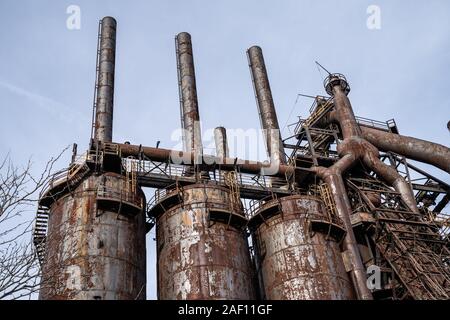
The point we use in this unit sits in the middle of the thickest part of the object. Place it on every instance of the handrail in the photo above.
(176, 171)
(372, 123)
(113, 193)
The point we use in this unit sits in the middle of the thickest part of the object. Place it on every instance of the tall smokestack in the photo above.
(220, 138)
(188, 94)
(105, 80)
(265, 104)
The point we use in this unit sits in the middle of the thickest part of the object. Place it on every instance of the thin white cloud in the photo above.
(50, 106)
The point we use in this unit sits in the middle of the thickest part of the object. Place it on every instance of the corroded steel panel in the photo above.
(199, 258)
(295, 262)
(93, 253)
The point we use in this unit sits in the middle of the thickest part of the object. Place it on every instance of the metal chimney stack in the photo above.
(266, 107)
(190, 118)
(105, 80)
(220, 139)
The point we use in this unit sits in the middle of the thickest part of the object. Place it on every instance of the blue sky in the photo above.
(47, 71)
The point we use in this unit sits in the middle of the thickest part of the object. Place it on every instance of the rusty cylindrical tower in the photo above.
(95, 246)
(201, 245)
(202, 248)
(95, 241)
(297, 251)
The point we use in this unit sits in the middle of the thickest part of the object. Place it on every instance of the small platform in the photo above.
(118, 205)
(227, 217)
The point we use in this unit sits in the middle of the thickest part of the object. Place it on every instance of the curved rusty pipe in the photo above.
(354, 147)
(354, 141)
(425, 151)
(392, 177)
(333, 177)
(349, 151)
(413, 148)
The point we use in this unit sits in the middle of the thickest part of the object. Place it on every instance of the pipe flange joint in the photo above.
(336, 79)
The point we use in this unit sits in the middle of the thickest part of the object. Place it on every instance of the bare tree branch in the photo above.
(20, 274)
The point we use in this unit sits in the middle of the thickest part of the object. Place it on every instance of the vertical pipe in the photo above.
(333, 177)
(105, 81)
(266, 107)
(350, 246)
(188, 91)
(344, 110)
(220, 138)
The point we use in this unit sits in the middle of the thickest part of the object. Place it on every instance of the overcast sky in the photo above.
(47, 70)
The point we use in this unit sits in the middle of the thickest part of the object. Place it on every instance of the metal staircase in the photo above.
(61, 181)
(411, 244)
(40, 232)
(318, 113)
(417, 253)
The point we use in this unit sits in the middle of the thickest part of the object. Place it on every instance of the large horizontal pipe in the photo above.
(413, 148)
(266, 107)
(105, 80)
(227, 164)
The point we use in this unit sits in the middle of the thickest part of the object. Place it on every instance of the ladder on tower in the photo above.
(230, 179)
(97, 71)
(328, 200)
(40, 232)
(131, 177)
(180, 92)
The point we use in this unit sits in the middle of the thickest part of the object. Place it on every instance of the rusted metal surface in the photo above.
(199, 258)
(355, 147)
(188, 91)
(296, 263)
(105, 90)
(220, 139)
(266, 107)
(357, 271)
(93, 253)
(413, 148)
(95, 246)
(343, 108)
